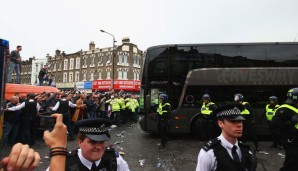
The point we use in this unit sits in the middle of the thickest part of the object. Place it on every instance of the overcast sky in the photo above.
(42, 26)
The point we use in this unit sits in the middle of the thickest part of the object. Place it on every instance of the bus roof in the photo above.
(243, 76)
(223, 44)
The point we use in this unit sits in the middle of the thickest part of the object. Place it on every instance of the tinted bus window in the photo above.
(282, 55)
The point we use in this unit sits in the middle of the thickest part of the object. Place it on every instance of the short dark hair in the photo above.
(81, 136)
(19, 46)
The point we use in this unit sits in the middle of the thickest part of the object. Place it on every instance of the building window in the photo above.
(77, 76)
(100, 58)
(59, 66)
(65, 64)
(65, 77)
(125, 59)
(85, 61)
(124, 75)
(92, 61)
(78, 63)
(108, 74)
(84, 75)
(120, 74)
(109, 59)
(120, 59)
(99, 75)
(70, 77)
(92, 76)
(71, 64)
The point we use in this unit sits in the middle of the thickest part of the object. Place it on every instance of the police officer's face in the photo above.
(231, 128)
(92, 150)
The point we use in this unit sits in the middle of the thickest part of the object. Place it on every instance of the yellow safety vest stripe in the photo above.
(205, 108)
(291, 108)
(159, 109)
(245, 111)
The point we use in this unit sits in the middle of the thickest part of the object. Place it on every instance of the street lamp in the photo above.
(113, 65)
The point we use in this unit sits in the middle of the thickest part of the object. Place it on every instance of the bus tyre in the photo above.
(197, 129)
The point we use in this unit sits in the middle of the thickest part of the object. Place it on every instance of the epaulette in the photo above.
(72, 153)
(211, 143)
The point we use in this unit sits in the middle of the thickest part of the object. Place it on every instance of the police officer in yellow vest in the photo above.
(248, 132)
(208, 121)
(286, 120)
(115, 106)
(270, 112)
(163, 116)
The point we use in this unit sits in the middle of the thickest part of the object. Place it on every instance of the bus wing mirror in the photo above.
(148, 102)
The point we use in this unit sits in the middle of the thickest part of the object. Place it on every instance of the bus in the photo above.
(172, 69)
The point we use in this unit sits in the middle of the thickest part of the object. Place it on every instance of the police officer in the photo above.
(207, 118)
(270, 112)
(163, 115)
(226, 152)
(92, 154)
(286, 120)
(249, 120)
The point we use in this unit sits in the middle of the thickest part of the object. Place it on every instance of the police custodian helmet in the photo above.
(229, 111)
(95, 129)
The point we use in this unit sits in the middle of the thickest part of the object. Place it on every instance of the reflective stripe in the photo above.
(270, 112)
(205, 108)
(159, 109)
(245, 111)
(291, 108)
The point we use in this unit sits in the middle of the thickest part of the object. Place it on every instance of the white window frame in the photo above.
(64, 77)
(77, 76)
(70, 77)
(71, 64)
(65, 64)
(78, 63)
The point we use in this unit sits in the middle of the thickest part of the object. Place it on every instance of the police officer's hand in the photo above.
(21, 157)
(57, 137)
(294, 119)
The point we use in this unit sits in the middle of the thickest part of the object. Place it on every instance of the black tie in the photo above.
(235, 154)
(93, 168)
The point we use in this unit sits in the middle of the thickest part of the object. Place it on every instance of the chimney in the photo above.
(91, 45)
(58, 52)
(125, 40)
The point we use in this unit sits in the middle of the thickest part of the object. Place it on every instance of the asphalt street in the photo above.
(140, 151)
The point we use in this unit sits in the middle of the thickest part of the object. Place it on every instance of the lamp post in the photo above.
(113, 60)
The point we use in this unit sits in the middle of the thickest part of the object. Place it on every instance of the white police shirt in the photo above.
(121, 163)
(207, 160)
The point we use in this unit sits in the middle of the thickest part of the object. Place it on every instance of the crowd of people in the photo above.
(23, 112)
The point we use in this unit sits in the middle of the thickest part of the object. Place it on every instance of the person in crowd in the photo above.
(163, 116)
(12, 121)
(102, 107)
(269, 113)
(30, 109)
(225, 152)
(15, 65)
(207, 118)
(44, 76)
(79, 113)
(62, 107)
(115, 107)
(286, 120)
(248, 132)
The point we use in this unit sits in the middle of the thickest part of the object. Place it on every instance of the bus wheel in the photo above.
(197, 129)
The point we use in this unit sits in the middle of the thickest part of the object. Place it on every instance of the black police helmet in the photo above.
(273, 98)
(292, 95)
(206, 97)
(164, 97)
(238, 97)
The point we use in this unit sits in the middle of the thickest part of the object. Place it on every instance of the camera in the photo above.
(46, 122)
